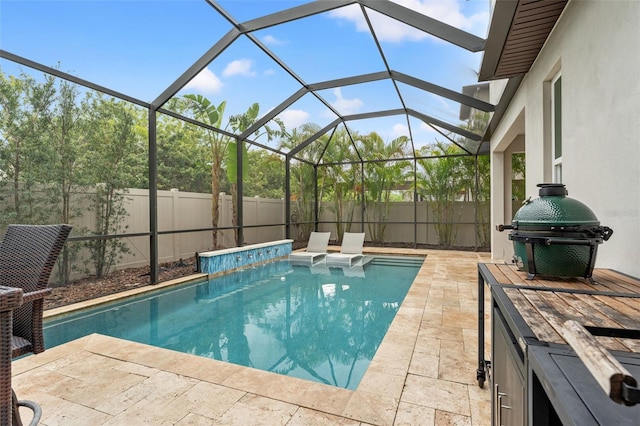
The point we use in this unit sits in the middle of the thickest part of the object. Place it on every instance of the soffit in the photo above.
(517, 33)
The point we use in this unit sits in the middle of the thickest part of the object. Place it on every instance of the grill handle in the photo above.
(571, 242)
(605, 231)
(501, 228)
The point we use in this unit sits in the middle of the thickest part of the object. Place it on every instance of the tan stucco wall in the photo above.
(596, 47)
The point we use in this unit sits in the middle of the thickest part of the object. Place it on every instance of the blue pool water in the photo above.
(321, 324)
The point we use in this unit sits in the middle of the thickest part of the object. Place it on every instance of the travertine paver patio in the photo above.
(424, 372)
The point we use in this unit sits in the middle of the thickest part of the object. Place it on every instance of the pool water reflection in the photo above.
(315, 323)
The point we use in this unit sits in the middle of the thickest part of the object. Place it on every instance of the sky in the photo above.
(140, 47)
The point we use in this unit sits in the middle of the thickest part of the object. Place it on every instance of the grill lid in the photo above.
(554, 210)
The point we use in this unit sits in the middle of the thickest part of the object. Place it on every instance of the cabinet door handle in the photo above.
(498, 404)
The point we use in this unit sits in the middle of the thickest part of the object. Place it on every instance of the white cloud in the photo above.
(345, 106)
(387, 29)
(398, 130)
(425, 135)
(424, 126)
(271, 40)
(239, 67)
(294, 118)
(205, 82)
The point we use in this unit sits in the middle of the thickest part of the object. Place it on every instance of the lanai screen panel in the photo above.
(303, 199)
(465, 144)
(432, 105)
(341, 147)
(427, 57)
(340, 189)
(183, 157)
(244, 10)
(302, 119)
(316, 47)
(264, 193)
(470, 16)
(265, 174)
(134, 47)
(363, 98)
(241, 76)
(381, 136)
(431, 136)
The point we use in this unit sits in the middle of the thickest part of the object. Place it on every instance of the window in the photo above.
(556, 127)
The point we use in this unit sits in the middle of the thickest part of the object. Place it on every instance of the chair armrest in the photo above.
(10, 298)
(35, 295)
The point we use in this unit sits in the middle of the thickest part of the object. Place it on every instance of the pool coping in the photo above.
(374, 401)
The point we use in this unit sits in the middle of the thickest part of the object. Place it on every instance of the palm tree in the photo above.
(211, 115)
(302, 176)
(442, 182)
(341, 180)
(240, 123)
(383, 176)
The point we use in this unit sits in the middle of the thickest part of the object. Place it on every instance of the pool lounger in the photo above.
(316, 249)
(322, 268)
(350, 250)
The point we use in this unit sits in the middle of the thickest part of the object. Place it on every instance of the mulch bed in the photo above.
(91, 287)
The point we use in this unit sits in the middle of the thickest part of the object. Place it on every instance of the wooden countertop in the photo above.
(546, 303)
(607, 280)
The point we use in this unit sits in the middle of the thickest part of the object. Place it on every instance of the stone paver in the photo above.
(423, 372)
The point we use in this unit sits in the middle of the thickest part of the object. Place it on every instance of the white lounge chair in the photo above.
(316, 248)
(350, 250)
(319, 268)
(353, 271)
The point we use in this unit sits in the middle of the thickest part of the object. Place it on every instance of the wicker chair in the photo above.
(27, 256)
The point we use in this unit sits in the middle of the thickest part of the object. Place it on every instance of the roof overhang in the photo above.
(517, 32)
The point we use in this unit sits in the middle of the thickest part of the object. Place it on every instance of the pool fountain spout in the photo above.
(238, 257)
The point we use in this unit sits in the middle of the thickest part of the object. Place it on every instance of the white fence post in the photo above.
(175, 204)
(259, 218)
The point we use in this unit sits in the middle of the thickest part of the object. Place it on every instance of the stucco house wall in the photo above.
(596, 48)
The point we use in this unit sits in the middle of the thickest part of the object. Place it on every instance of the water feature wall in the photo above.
(212, 262)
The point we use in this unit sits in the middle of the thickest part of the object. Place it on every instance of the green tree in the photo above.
(481, 195)
(477, 123)
(517, 174)
(340, 183)
(240, 123)
(204, 111)
(66, 140)
(267, 175)
(115, 157)
(442, 182)
(25, 117)
(382, 177)
(183, 162)
(302, 179)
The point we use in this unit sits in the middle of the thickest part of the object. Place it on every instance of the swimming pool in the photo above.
(317, 323)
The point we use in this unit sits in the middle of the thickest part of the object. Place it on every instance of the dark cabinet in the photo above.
(508, 384)
(536, 378)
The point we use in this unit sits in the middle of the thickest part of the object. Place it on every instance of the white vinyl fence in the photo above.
(182, 211)
(179, 210)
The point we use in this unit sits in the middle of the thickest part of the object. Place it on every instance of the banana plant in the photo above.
(211, 115)
(240, 123)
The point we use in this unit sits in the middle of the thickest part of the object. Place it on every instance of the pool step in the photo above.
(398, 260)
